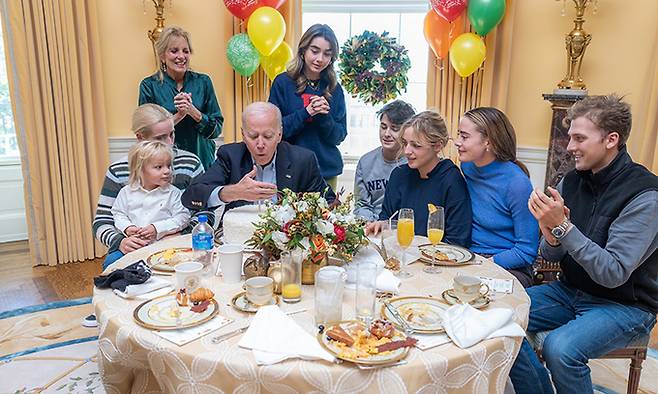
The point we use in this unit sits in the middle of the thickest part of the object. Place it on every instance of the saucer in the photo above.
(241, 303)
(481, 302)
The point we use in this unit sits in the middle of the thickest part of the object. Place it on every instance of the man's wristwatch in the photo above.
(561, 229)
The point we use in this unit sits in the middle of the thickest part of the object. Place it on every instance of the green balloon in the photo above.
(484, 15)
(242, 55)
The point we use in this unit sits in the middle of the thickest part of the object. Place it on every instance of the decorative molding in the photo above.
(119, 147)
(365, 6)
(13, 224)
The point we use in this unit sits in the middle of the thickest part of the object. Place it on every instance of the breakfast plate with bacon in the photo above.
(165, 260)
(351, 341)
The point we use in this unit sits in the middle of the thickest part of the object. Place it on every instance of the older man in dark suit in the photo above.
(256, 168)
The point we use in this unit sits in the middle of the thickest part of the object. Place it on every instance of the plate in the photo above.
(241, 303)
(478, 303)
(456, 254)
(159, 314)
(422, 314)
(165, 260)
(343, 352)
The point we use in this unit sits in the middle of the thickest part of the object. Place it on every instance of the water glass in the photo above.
(329, 287)
(366, 290)
(291, 275)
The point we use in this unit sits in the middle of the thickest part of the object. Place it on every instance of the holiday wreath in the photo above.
(374, 67)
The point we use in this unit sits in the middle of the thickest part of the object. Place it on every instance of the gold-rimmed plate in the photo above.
(479, 303)
(166, 260)
(423, 314)
(359, 354)
(241, 303)
(163, 313)
(446, 255)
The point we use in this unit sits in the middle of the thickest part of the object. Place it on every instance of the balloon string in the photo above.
(246, 88)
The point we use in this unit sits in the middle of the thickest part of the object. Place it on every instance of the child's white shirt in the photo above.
(161, 207)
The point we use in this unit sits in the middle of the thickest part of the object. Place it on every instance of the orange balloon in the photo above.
(439, 33)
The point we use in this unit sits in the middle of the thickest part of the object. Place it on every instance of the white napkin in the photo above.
(387, 282)
(274, 336)
(467, 326)
(428, 341)
(152, 284)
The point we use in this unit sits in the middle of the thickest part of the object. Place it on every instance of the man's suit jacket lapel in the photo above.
(246, 163)
(284, 173)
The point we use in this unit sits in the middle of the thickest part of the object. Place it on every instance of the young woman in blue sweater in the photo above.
(499, 187)
(311, 100)
(428, 178)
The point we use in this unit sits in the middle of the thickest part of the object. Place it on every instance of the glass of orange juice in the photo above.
(291, 275)
(435, 228)
(405, 232)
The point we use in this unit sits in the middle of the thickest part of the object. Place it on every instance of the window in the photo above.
(402, 20)
(8, 143)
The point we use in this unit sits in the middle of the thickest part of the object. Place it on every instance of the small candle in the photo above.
(291, 291)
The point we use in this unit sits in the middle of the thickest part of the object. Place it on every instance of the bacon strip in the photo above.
(387, 347)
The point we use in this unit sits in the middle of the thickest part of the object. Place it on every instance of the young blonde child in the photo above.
(149, 206)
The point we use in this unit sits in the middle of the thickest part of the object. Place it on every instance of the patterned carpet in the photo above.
(44, 349)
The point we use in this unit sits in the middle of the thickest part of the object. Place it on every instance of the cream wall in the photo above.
(127, 55)
(617, 59)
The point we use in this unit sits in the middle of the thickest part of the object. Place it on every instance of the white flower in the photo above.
(302, 206)
(322, 203)
(284, 215)
(280, 239)
(324, 227)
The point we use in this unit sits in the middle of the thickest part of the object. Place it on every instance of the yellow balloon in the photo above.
(467, 53)
(275, 64)
(266, 29)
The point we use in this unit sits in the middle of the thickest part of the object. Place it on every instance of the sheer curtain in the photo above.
(56, 86)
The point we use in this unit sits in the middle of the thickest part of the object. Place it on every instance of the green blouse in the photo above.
(190, 136)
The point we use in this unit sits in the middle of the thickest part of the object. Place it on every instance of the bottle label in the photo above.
(202, 241)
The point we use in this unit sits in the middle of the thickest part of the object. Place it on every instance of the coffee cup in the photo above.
(260, 290)
(469, 288)
(230, 261)
(188, 276)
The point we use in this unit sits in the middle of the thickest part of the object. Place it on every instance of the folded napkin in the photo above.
(467, 326)
(428, 341)
(133, 274)
(274, 336)
(387, 282)
(152, 284)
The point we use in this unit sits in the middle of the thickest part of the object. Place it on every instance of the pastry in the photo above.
(382, 329)
(181, 297)
(201, 294)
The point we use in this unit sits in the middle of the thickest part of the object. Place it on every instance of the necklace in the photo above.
(313, 84)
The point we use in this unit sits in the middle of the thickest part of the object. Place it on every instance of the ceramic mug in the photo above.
(188, 276)
(260, 290)
(469, 288)
(230, 261)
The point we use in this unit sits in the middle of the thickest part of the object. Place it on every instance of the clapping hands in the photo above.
(184, 106)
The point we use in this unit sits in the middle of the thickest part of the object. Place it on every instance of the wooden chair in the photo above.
(544, 272)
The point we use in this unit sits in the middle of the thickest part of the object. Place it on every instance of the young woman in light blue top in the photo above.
(499, 187)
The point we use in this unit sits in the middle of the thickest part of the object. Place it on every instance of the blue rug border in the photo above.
(44, 307)
(9, 357)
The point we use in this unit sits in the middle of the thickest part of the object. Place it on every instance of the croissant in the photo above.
(201, 294)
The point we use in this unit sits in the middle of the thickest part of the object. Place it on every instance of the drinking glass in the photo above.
(435, 228)
(405, 233)
(329, 286)
(366, 290)
(291, 275)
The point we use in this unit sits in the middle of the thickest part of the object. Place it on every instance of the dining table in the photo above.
(133, 359)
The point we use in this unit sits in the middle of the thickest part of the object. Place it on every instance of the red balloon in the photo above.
(449, 9)
(272, 3)
(242, 8)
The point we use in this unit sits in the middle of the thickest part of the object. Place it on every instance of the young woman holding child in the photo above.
(149, 206)
(499, 188)
(428, 178)
(311, 100)
(374, 168)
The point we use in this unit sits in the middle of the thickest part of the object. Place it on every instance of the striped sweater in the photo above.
(186, 167)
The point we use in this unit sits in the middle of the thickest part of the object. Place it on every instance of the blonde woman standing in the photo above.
(189, 95)
(311, 100)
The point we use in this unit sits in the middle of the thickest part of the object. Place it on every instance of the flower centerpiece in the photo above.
(306, 221)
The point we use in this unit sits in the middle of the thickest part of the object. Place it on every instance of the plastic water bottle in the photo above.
(203, 242)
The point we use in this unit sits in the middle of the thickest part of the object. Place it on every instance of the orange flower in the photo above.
(318, 242)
